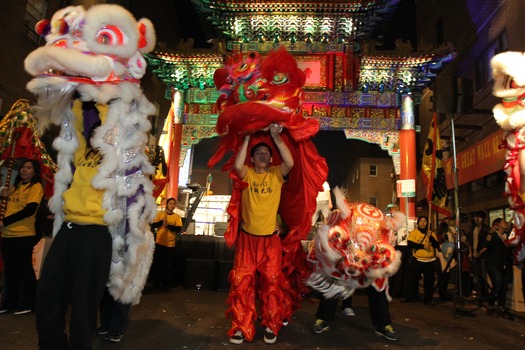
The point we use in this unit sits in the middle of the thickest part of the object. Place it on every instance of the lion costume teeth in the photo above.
(97, 54)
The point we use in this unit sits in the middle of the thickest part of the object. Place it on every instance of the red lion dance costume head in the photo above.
(257, 91)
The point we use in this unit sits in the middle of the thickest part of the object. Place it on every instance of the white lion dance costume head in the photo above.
(508, 70)
(96, 55)
(353, 249)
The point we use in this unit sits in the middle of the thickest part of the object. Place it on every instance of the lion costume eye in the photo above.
(280, 78)
(110, 35)
(242, 68)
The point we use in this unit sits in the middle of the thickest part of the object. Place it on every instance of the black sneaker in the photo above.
(101, 331)
(237, 338)
(3, 310)
(114, 337)
(320, 326)
(269, 336)
(387, 333)
(492, 312)
(507, 315)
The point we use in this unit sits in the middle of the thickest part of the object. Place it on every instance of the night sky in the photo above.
(402, 26)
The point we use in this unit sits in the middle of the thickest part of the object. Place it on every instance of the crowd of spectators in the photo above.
(482, 270)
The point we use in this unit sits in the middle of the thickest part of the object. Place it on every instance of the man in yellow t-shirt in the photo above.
(168, 224)
(258, 252)
(80, 256)
(424, 244)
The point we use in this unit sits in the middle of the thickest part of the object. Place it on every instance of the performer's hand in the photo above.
(275, 129)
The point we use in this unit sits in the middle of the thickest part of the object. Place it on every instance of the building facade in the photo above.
(477, 30)
(371, 180)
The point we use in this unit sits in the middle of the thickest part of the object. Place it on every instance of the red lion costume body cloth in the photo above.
(256, 92)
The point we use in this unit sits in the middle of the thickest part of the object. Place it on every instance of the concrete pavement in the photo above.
(194, 319)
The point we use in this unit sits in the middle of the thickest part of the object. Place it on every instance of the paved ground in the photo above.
(191, 319)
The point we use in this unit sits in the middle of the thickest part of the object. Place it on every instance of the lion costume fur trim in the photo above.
(122, 137)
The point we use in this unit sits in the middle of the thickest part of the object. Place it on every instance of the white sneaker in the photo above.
(238, 338)
(348, 311)
(269, 336)
(21, 312)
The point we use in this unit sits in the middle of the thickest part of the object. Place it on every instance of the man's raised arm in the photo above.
(286, 155)
(239, 166)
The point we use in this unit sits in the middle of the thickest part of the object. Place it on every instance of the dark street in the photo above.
(193, 319)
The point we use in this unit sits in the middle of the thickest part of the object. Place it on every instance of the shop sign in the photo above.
(484, 158)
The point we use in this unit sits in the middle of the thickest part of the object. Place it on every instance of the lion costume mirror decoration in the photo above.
(95, 55)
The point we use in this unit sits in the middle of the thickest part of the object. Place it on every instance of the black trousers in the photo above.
(75, 273)
(428, 269)
(501, 277)
(114, 315)
(479, 270)
(379, 308)
(20, 280)
(162, 266)
(377, 305)
(327, 307)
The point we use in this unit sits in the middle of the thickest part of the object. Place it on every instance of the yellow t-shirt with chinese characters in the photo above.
(82, 202)
(428, 252)
(260, 201)
(24, 194)
(165, 236)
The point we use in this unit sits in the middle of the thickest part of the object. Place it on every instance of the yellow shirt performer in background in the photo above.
(168, 224)
(258, 252)
(424, 244)
(18, 238)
